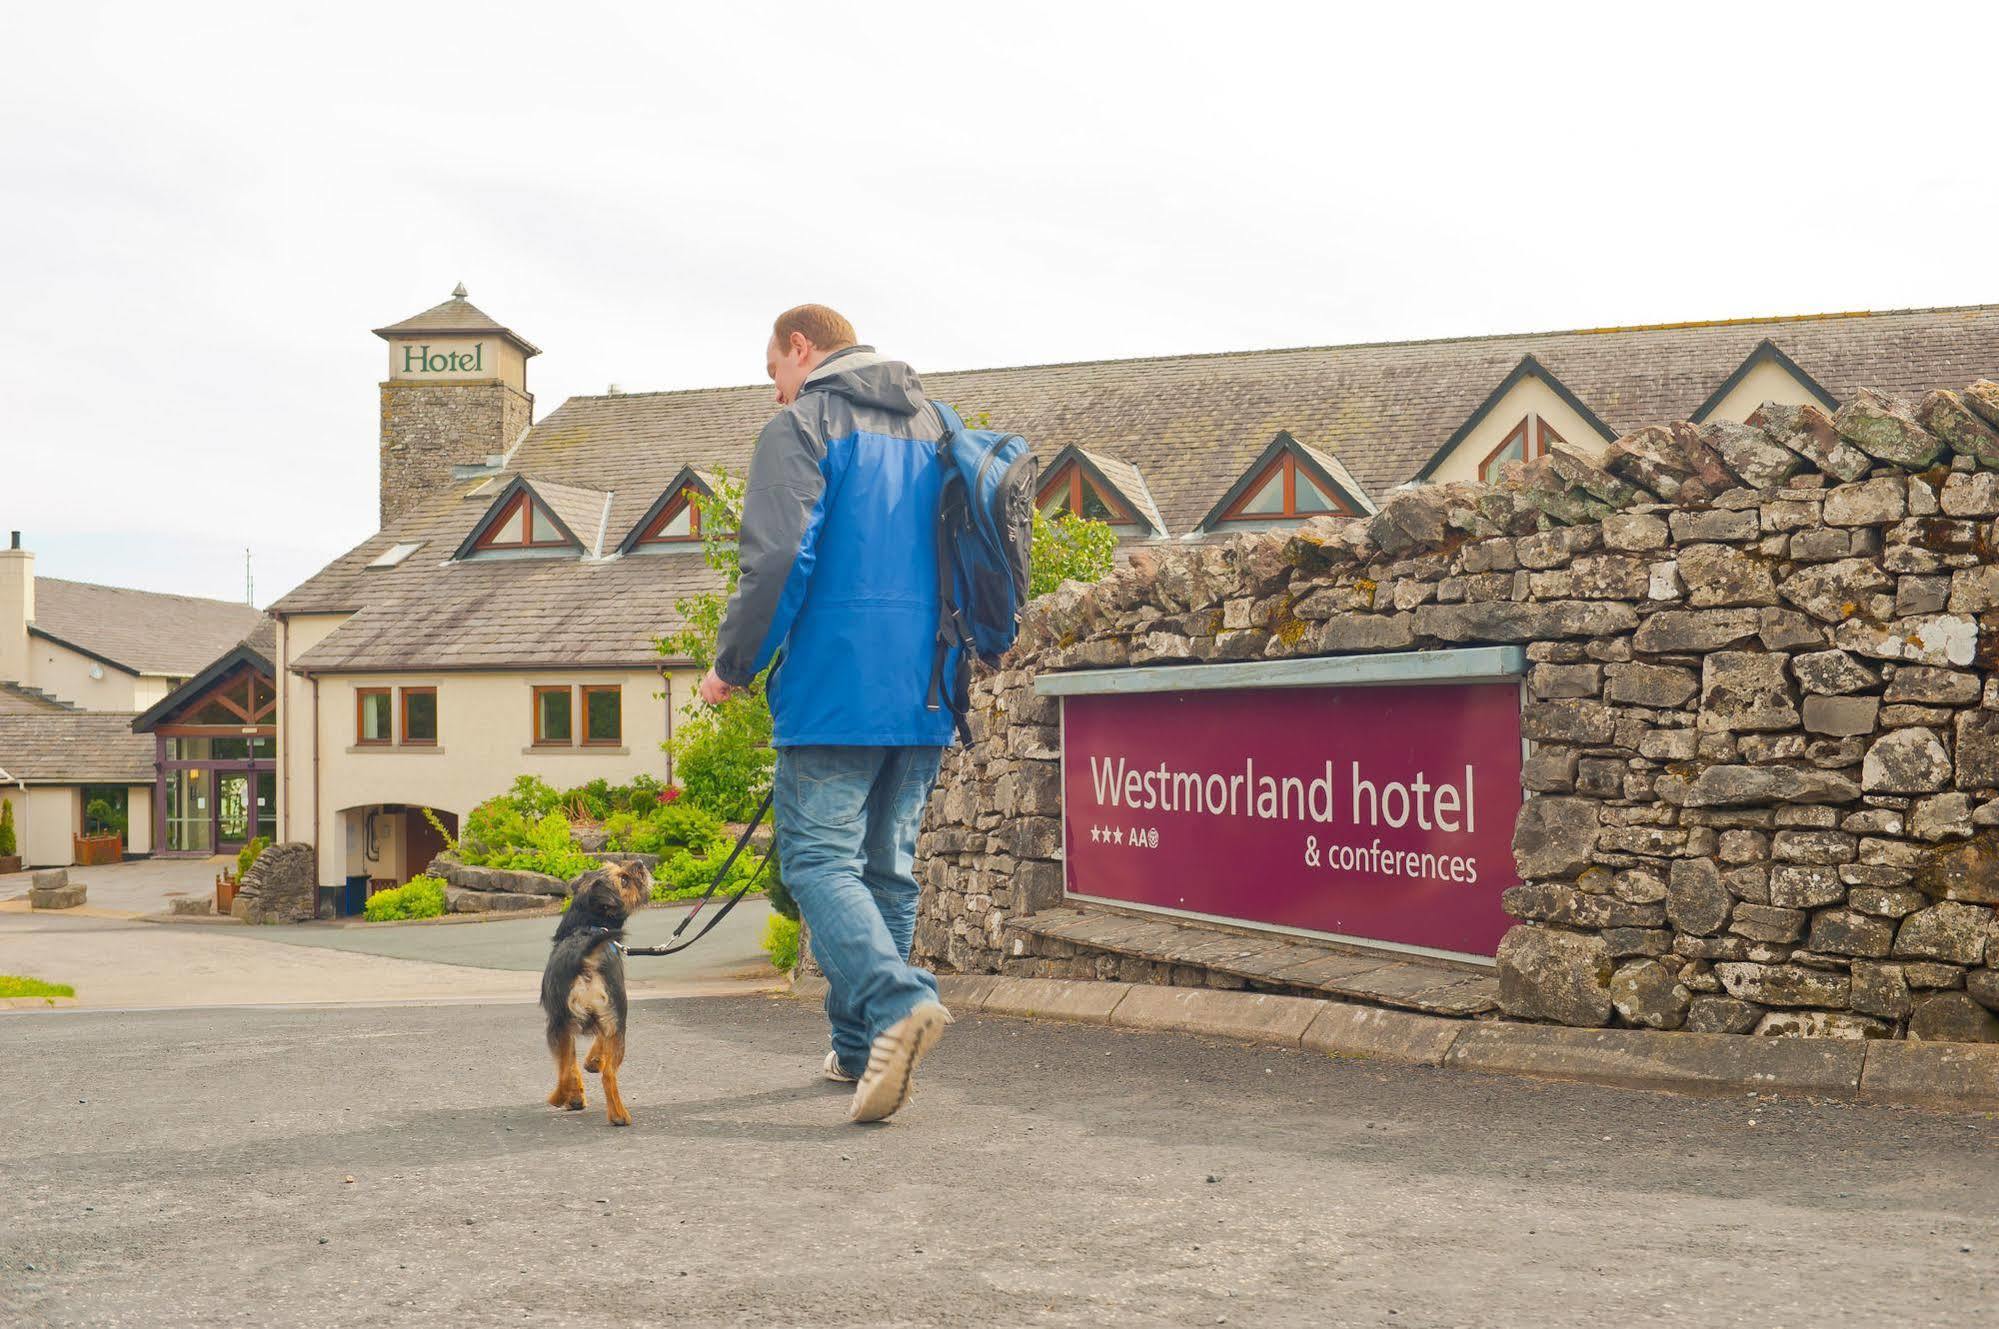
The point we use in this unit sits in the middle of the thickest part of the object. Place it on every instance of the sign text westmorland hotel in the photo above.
(1382, 812)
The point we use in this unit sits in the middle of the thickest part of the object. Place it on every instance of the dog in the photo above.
(583, 986)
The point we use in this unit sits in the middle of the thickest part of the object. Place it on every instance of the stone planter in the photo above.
(53, 889)
(11, 863)
(91, 850)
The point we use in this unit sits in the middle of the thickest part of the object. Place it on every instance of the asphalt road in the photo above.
(193, 1167)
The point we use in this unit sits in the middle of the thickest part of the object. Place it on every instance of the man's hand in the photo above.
(714, 691)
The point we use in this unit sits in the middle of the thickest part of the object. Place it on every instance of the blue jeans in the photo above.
(846, 839)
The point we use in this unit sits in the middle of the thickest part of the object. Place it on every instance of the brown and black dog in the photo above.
(583, 986)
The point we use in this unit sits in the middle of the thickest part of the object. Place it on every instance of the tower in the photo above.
(456, 395)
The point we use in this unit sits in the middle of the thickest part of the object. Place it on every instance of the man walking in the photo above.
(839, 584)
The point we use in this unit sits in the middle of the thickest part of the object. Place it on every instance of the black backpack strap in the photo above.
(952, 632)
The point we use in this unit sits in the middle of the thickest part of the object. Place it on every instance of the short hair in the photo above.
(825, 328)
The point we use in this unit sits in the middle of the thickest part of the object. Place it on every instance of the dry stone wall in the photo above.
(1765, 762)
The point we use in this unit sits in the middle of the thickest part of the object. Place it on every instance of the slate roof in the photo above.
(19, 699)
(1191, 425)
(145, 632)
(75, 747)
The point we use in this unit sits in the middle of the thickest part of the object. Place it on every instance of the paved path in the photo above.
(183, 1168)
(140, 886)
(126, 963)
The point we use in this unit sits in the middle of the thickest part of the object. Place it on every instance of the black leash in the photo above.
(742, 843)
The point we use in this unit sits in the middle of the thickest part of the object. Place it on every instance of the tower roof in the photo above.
(457, 315)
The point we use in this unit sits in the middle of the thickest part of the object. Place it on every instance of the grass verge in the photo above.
(14, 985)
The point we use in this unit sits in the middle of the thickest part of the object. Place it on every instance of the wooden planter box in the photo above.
(90, 850)
(225, 892)
(11, 863)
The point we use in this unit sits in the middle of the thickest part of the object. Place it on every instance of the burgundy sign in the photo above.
(1382, 813)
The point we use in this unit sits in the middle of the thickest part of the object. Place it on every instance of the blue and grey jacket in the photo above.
(839, 560)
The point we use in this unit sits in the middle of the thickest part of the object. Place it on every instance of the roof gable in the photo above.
(578, 515)
(1767, 352)
(1326, 471)
(689, 478)
(1115, 479)
(1529, 367)
(245, 657)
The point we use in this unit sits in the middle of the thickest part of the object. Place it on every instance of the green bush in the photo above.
(600, 800)
(420, 897)
(684, 874)
(722, 755)
(1070, 548)
(249, 854)
(669, 827)
(533, 797)
(781, 942)
(6, 829)
(547, 847)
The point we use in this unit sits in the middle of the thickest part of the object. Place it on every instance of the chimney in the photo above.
(17, 609)
(456, 393)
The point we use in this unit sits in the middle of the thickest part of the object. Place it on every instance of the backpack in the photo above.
(985, 525)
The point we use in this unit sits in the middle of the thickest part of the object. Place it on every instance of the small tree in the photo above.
(6, 829)
(1069, 548)
(721, 754)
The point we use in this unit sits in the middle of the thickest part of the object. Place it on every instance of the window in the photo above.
(679, 522)
(371, 717)
(551, 717)
(394, 554)
(1285, 489)
(1529, 439)
(522, 524)
(603, 721)
(1070, 491)
(420, 716)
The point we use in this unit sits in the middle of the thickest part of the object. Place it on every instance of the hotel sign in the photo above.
(427, 359)
(1370, 798)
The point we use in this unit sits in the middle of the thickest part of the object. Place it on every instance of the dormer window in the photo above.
(674, 521)
(1531, 438)
(1283, 490)
(539, 518)
(1070, 491)
(1096, 486)
(679, 522)
(522, 524)
(1289, 482)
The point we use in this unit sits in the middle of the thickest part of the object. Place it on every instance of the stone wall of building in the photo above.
(1765, 764)
(427, 428)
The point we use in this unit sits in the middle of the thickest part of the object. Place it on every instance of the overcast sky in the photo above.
(207, 207)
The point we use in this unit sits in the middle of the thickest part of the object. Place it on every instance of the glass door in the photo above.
(232, 810)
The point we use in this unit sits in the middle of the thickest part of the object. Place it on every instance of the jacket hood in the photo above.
(868, 379)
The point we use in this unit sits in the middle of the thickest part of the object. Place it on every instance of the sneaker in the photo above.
(885, 1085)
(833, 1071)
